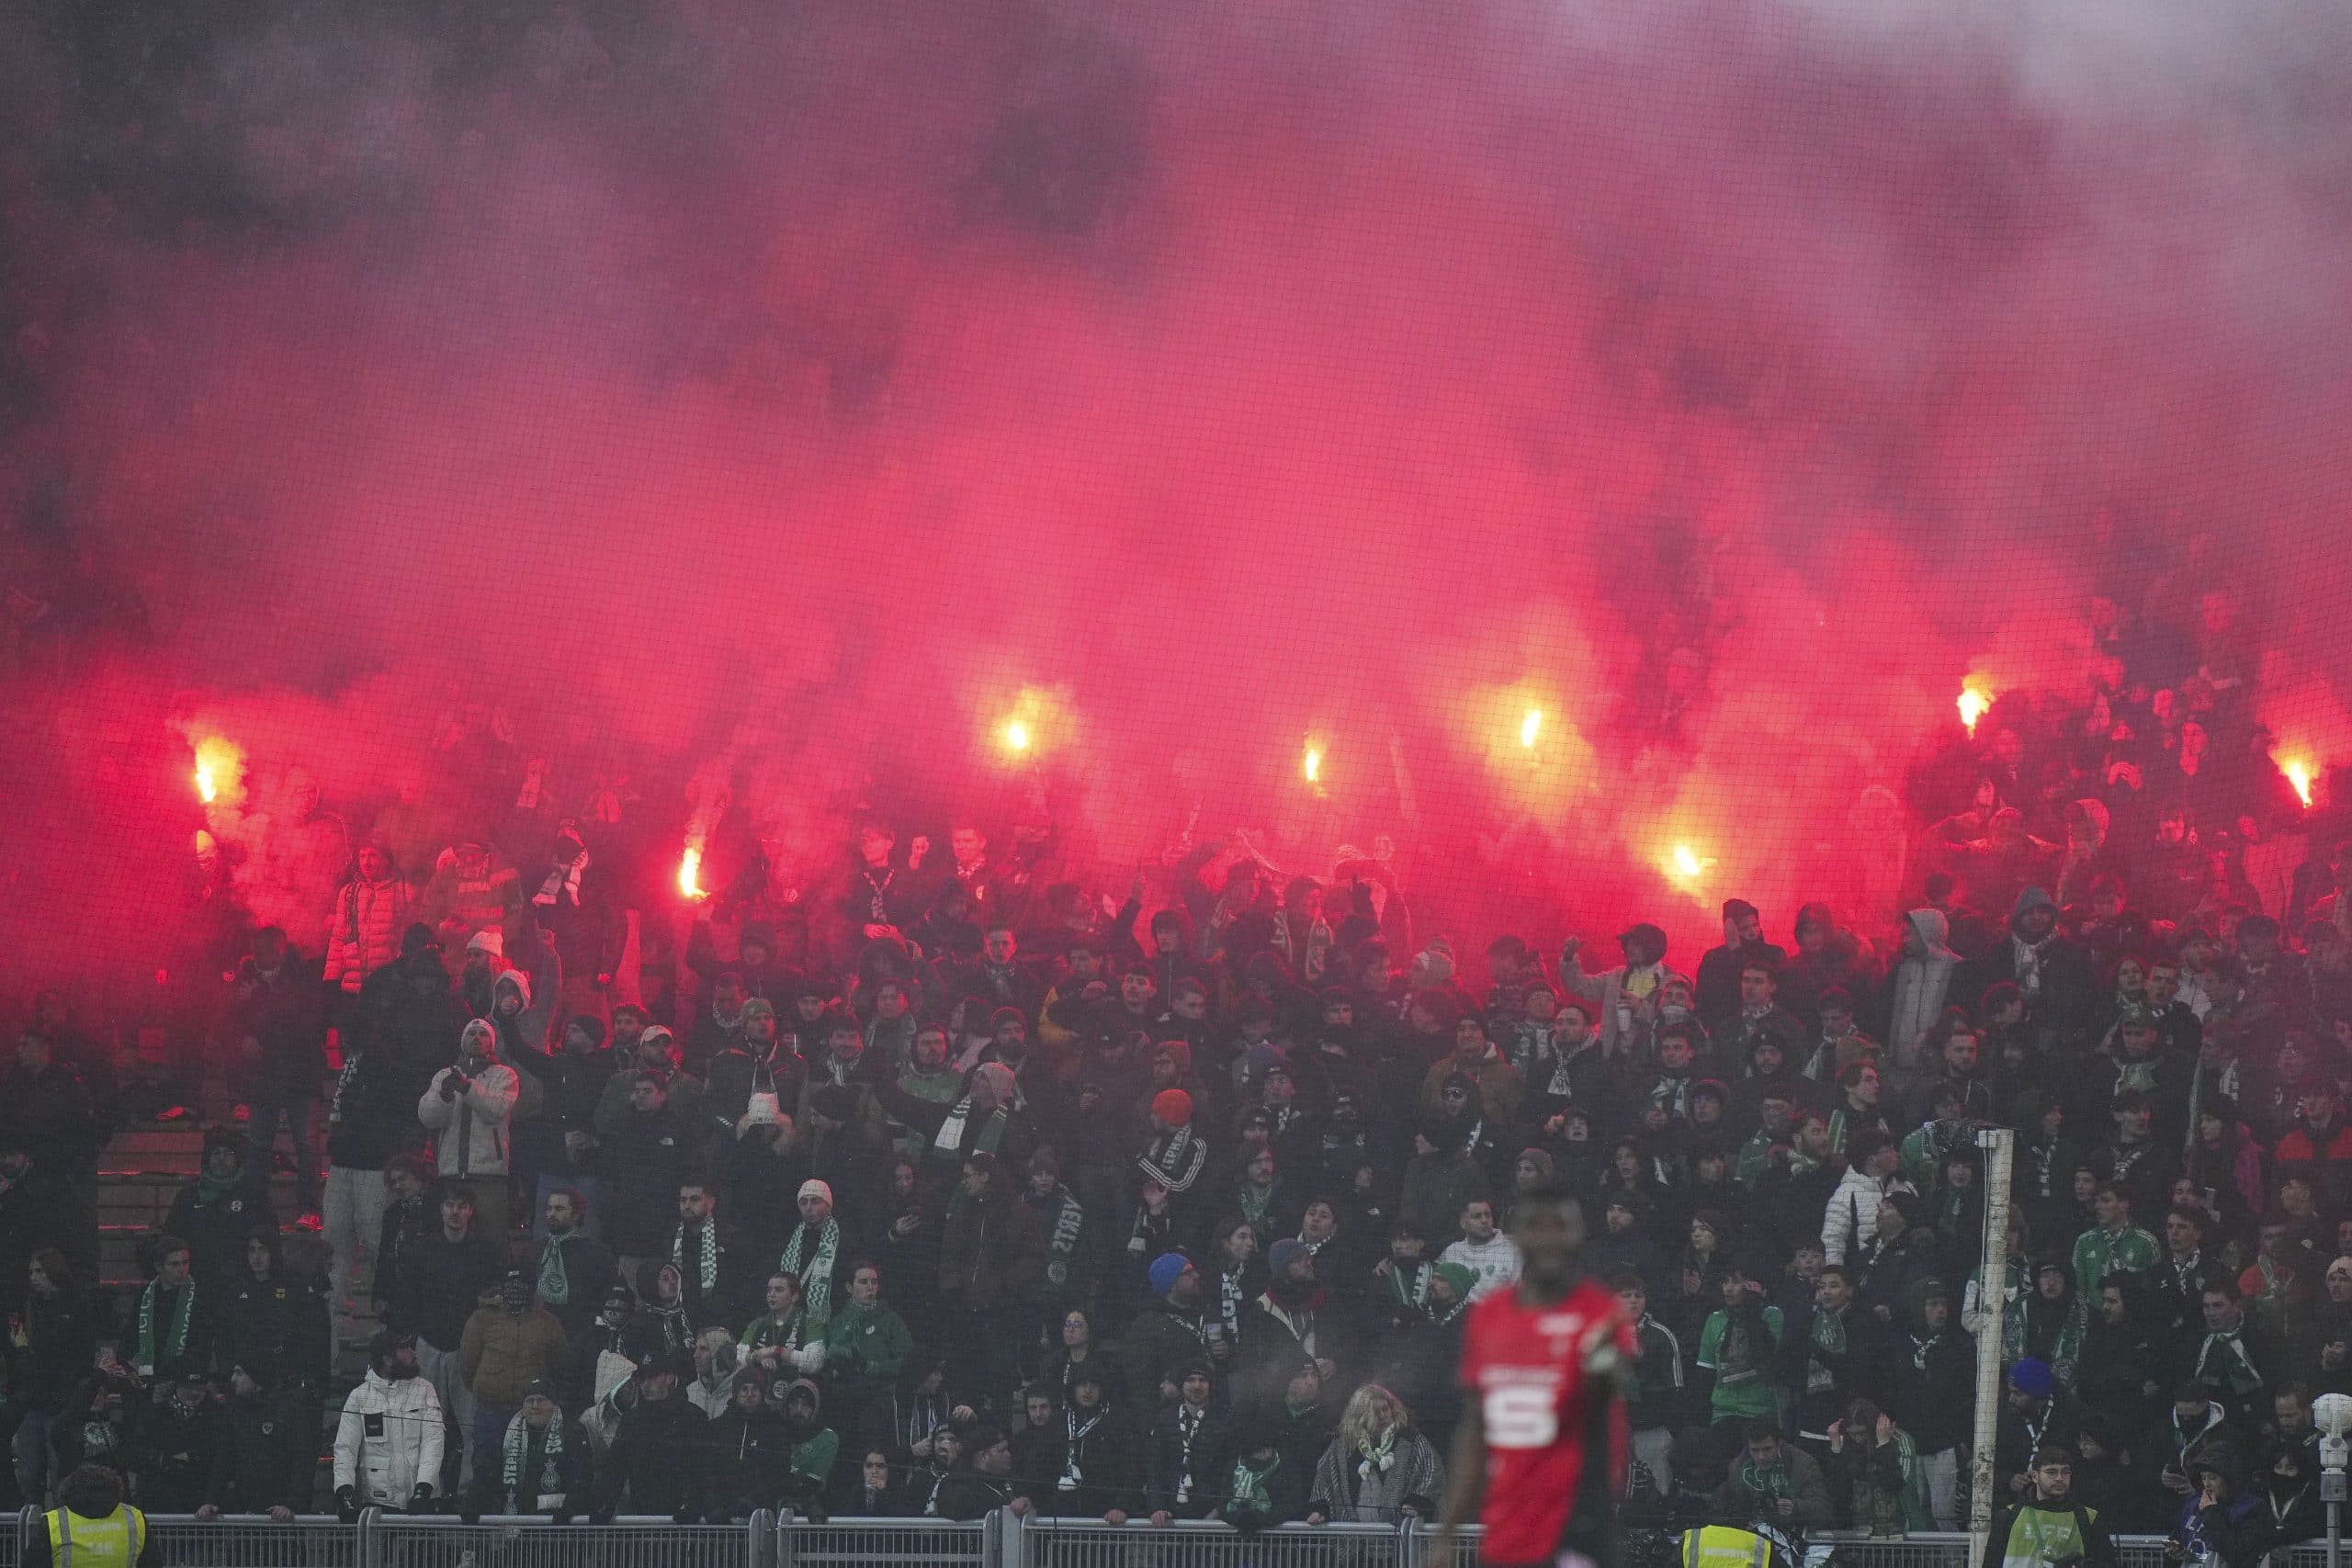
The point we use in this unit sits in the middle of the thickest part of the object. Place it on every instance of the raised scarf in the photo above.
(548, 1493)
(1256, 1201)
(562, 880)
(949, 1144)
(1177, 1163)
(176, 1344)
(811, 1263)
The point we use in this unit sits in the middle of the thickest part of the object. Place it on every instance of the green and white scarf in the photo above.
(549, 1494)
(1379, 1456)
(949, 1144)
(1250, 1492)
(707, 1266)
(813, 1265)
(1829, 1338)
(2223, 1360)
(1409, 1284)
(1766, 1481)
(1256, 1203)
(176, 1345)
(555, 1274)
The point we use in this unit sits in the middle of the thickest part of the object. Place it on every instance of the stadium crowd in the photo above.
(968, 1186)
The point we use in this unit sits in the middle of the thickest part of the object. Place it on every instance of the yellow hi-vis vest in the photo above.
(1717, 1546)
(111, 1542)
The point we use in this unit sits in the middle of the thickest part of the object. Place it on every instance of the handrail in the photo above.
(1008, 1538)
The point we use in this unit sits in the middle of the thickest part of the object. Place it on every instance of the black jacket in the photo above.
(215, 1232)
(1108, 1461)
(279, 1322)
(286, 1015)
(441, 1282)
(744, 1460)
(656, 1460)
(1165, 1467)
(648, 1154)
(175, 1445)
(268, 1456)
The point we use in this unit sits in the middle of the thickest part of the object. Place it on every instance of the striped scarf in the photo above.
(174, 1345)
(548, 1493)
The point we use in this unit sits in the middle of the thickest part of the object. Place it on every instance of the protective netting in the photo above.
(1428, 504)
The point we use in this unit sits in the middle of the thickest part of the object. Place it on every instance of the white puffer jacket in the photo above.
(470, 1133)
(389, 1440)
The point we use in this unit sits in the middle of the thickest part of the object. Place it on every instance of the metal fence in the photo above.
(1003, 1540)
(1090, 1543)
(885, 1543)
(317, 1542)
(400, 1540)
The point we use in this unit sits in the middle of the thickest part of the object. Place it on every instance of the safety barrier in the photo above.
(383, 1539)
(1034, 1542)
(886, 1543)
(402, 1540)
(318, 1541)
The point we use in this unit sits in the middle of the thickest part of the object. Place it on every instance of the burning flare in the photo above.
(690, 873)
(218, 767)
(2299, 774)
(1311, 765)
(1973, 702)
(1531, 726)
(1686, 865)
(1016, 735)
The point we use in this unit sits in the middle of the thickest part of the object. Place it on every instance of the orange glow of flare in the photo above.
(217, 764)
(690, 873)
(1973, 702)
(1311, 765)
(1016, 735)
(1686, 865)
(2299, 774)
(1530, 726)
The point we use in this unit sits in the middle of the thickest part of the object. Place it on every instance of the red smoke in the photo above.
(767, 405)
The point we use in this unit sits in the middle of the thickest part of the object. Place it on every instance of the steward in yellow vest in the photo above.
(93, 1529)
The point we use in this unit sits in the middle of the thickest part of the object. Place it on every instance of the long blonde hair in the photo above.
(1358, 1423)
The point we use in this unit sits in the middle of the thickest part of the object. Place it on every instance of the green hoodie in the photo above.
(866, 1341)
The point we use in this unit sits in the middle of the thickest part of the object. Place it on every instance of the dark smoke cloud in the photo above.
(775, 394)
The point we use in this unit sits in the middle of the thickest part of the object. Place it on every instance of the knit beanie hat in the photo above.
(1173, 1106)
(1166, 1269)
(1285, 1253)
(1459, 1275)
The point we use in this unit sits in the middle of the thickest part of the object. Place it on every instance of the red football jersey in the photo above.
(1555, 1437)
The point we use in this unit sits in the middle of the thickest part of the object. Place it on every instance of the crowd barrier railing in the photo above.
(404, 1540)
(382, 1539)
(885, 1543)
(1035, 1542)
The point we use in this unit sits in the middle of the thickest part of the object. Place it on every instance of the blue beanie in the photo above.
(1166, 1269)
(2031, 1376)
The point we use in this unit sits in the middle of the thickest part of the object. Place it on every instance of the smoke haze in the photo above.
(788, 396)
